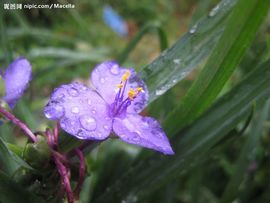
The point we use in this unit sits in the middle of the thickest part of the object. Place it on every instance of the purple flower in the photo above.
(16, 78)
(111, 106)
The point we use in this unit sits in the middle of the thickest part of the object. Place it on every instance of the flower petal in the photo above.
(107, 75)
(16, 77)
(81, 111)
(142, 131)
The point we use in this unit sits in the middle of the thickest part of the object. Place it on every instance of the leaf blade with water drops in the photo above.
(236, 38)
(187, 53)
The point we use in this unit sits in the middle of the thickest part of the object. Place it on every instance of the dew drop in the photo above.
(54, 112)
(214, 11)
(80, 134)
(89, 102)
(177, 61)
(60, 96)
(106, 127)
(75, 109)
(193, 29)
(115, 69)
(88, 122)
(160, 91)
(136, 139)
(73, 92)
(93, 111)
(184, 74)
(102, 80)
(99, 134)
(63, 125)
(83, 88)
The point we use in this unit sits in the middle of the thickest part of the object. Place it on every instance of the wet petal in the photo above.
(142, 131)
(80, 110)
(138, 104)
(107, 75)
(16, 77)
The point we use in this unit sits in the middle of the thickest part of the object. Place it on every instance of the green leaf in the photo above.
(144, 30)
(195, 141)
(39, 33)
(187, 53)
(241, 28)
(52, 52)
(10, 191)
(247, 154)
(10, 161)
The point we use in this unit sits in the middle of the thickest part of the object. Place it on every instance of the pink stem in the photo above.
(56, 132)
(19, 123)
(49, 135)
(63, 171)
(81, 173)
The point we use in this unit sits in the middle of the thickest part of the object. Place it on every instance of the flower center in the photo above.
(120, 103)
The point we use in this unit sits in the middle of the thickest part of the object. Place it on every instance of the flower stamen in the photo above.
(132, 93)
(125, 76)
(119, 85)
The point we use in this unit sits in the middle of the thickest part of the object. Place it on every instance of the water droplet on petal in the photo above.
(75, 109)
(99, 134)
(106, 127)
(54, 112)
(63, 125)
(115, 69)
(93, 111)
(60, 96)
(80, 134)
(193, 29)
(73, 92)
(89, 102)
(83, 88)
(102, 80)
(136, 139)
(88, 122)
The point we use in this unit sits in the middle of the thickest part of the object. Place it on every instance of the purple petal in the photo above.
(16, 77)
(107, 75)
(81, 111)
(142, 131)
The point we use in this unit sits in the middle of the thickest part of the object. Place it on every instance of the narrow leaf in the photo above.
(187, 53)
(242, 26)
(246, 157)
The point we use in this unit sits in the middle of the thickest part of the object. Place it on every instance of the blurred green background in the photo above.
(64, 45)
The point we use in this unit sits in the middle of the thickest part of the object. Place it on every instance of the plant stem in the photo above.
(64, 172)
(19, 123)
(81, 173)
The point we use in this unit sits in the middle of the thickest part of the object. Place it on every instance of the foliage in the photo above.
(209, 88)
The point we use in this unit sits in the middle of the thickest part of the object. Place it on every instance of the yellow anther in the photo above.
(119, 85)
(132, 93)
(126, 76)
